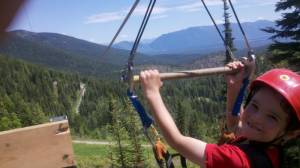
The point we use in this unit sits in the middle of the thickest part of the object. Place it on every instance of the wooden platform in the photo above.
(42, 146)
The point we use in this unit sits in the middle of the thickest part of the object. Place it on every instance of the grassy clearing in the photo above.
(91, 156)
(97, 156)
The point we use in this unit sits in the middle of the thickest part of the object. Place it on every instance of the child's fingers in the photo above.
(235, 65)
(149, 74)
(142, 75)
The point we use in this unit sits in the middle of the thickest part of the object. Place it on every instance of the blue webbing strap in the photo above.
(239, 100)
(145, 118)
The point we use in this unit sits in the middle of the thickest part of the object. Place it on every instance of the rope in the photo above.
(141, 30)
(147, 121)
(121, 27)
(240, 26)
(136, 43)
(239, 100)
(217, 28)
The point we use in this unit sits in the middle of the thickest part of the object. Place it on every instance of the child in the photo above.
(271, 116)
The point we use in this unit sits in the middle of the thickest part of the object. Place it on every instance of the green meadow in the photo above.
(98, 156)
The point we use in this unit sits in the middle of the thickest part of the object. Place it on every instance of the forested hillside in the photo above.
(32, 94)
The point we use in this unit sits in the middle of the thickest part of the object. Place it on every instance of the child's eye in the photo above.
(272, 117)
(254, 105)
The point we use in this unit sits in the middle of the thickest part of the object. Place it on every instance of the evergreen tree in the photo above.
(134, 131)
(119, 135)
(286, 35)
(228, 41)
(184, 109)
(228, 33)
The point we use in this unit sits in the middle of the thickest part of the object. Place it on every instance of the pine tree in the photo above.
(228, 33)
(184, 108)
(134, 131)
(119, 149)
(286, 36)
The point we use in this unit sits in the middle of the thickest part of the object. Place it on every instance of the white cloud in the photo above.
(253, 3)
(104, 17)
(92, 40)
(190, 7)
(156, 10)
(197, 5)
(124, 36)
(64, 33)
(219, 21)
(159, 17)
(267, 3)
(260, 18)
(157, 13)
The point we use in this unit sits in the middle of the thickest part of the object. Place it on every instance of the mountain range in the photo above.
(202, 39)
(175, 50)
(63, 52)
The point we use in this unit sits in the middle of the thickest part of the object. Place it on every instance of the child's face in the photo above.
(264, 119)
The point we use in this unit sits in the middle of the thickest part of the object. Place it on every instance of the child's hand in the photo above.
(151, 82)
(235, 80)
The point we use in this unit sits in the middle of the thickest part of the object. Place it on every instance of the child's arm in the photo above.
(234, 83)
(190, 148)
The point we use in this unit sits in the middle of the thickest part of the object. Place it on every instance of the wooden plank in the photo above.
(42, 146)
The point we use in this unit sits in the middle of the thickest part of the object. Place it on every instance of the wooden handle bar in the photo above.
(191, 73)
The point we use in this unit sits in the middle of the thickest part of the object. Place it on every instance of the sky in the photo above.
(98, 20)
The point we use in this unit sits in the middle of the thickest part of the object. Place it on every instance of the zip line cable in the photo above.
(239, 23)
(220, 34)
(136, 43)
(121, 27)
(142, 29)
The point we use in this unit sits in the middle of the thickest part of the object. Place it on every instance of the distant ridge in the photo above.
(203, 39)
(63, 52)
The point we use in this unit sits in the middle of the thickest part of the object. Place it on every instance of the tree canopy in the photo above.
(286, 35)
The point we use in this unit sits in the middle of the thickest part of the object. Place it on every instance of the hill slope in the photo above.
(65, 53)
(203, 39)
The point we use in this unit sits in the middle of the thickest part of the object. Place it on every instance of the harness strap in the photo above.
(160, 151)
(182, 160)
(145, 118)
(239, 100)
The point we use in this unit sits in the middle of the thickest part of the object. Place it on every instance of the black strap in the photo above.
(257, 156)
(167, 159)
(169, 162)
(182, 160)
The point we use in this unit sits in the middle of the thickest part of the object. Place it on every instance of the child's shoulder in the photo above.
(241, 153)
(225, 154)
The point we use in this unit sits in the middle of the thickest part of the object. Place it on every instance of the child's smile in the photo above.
(264, 119)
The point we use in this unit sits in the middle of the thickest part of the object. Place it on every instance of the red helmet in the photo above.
(284, 81)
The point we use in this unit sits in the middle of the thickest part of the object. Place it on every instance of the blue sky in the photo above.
(98, 20)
